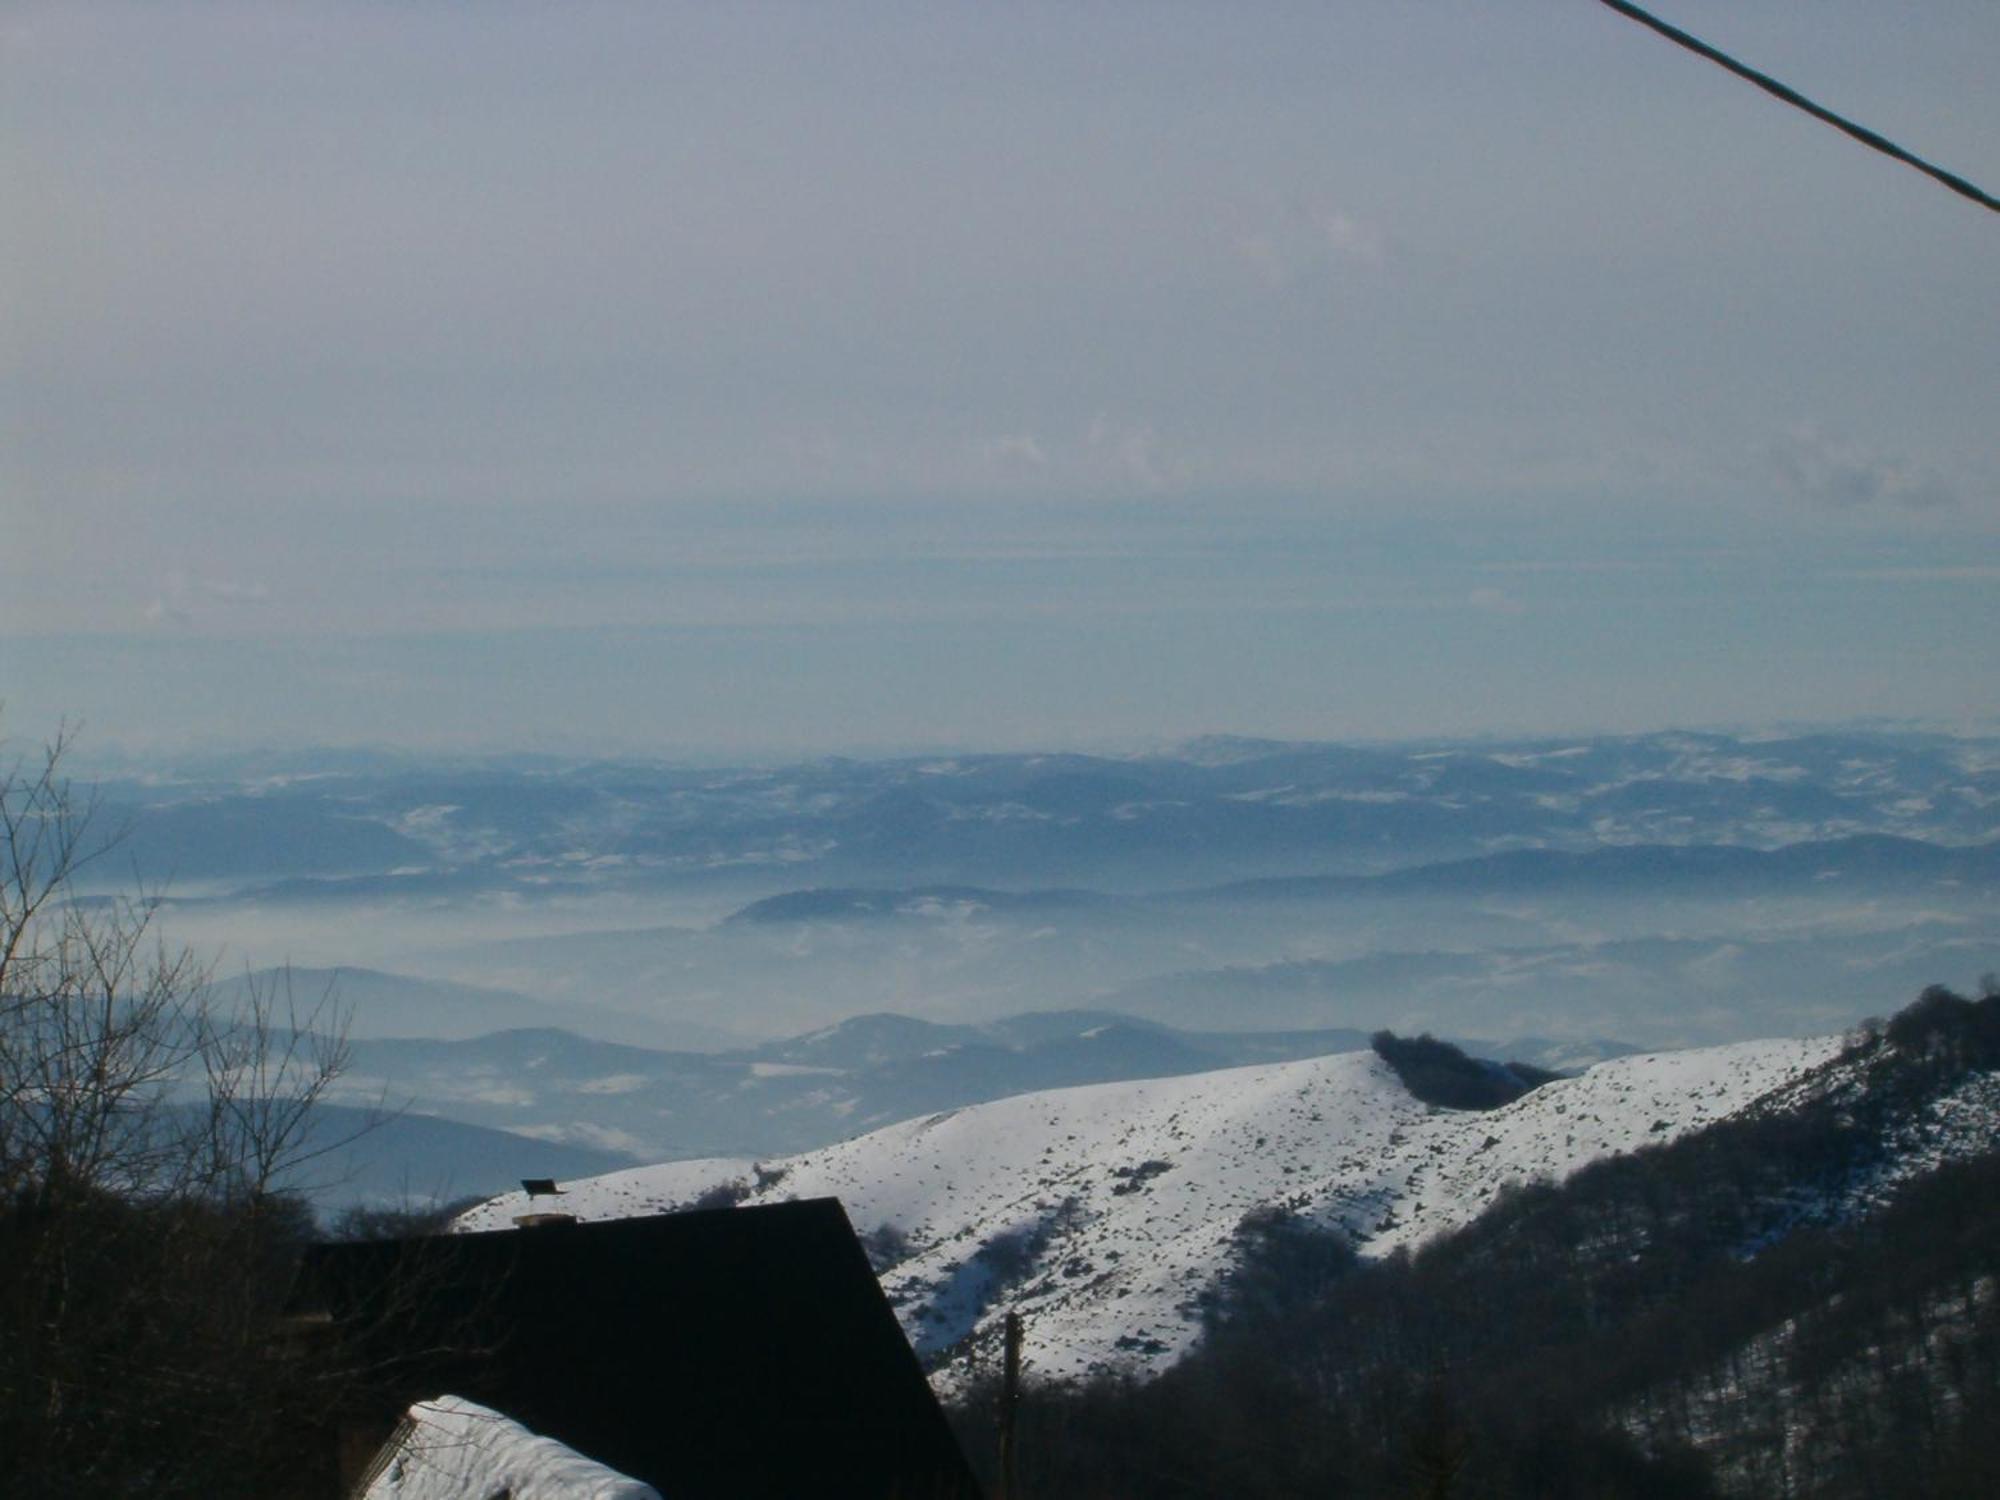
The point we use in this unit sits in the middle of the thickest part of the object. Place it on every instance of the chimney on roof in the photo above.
(541, 1187)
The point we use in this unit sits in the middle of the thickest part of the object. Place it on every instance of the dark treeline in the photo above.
(1719, 1316)
(1439, 1073)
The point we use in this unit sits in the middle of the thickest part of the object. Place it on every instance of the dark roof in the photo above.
(742, 1352)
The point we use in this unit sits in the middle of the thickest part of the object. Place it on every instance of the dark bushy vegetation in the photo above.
(376, 1221)
(141, 1348)
(1694, 1319)
(1947, 1030)
(887, 1246)
(1439, 1073)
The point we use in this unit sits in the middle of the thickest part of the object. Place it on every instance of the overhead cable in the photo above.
(1797, 100)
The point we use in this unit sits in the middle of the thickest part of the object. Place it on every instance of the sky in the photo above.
(757, 379)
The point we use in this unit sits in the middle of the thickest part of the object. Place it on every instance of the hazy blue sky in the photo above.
(652, 377)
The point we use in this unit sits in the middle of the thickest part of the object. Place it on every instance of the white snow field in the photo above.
(1103, 1213)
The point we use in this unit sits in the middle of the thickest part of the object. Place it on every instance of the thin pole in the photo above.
(1010, 1398)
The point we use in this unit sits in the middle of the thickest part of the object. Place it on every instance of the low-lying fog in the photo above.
(1660, 890)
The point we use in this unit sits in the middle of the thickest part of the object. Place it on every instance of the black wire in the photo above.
(1792, 97)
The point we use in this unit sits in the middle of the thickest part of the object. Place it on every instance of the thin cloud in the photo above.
(1832, 474)
(1310, 241)
(181, 593)
(1560, 565)
(228, 591)
(1965, 573)
(1494, 601)
(1260, 252)
(1352, 239)
(1017, 448)
(1131, 451)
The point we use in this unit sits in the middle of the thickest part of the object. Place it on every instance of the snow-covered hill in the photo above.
(1106, 1214)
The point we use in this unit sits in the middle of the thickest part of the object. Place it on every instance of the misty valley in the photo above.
(630, 962)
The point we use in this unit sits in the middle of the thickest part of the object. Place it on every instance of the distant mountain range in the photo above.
(354, 827)
(369, 1003)
(1857, 865)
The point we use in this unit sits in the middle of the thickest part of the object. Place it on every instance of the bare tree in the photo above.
(119, 1070)
(146, 1131)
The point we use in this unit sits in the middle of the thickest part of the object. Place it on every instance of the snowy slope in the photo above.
(1104, 1213)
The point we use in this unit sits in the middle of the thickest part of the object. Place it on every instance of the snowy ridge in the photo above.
(1105, 1213)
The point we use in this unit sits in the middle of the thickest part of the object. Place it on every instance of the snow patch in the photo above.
(454, 1449)
(614, 1083)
